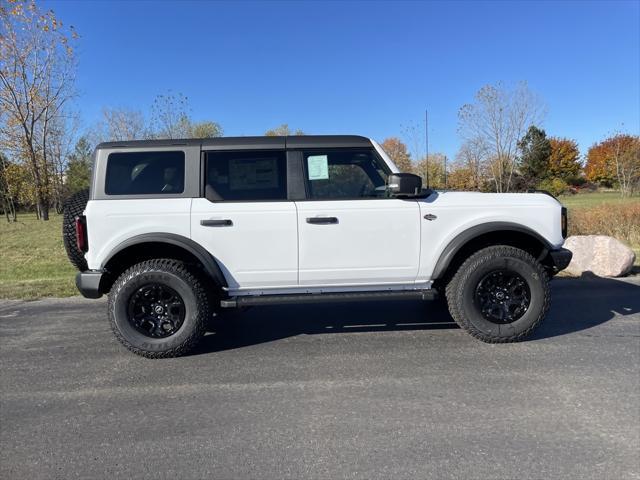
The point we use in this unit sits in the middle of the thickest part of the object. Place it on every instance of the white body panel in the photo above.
(374, 242)
(260, 249)
(377, 244)
(459, 211)
(111, 222)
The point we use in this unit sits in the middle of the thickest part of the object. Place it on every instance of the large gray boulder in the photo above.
(604, 256)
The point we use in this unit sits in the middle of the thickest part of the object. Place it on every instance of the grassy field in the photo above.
(594, 199)
(605, 213)
(33, 261)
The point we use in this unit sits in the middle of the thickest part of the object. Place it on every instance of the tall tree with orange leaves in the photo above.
(397, 151)
(564, 160)
(615, 162)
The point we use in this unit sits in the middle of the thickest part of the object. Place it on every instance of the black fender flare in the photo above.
(476, 231)
(208, 261)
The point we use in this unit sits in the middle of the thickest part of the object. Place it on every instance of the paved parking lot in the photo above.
(378, 390)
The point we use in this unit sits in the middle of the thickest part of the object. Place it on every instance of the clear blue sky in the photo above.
(363, 68)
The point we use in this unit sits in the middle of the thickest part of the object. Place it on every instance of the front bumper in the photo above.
(89, 283)
(559, 259)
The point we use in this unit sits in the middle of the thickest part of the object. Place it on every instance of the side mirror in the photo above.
(404, 185)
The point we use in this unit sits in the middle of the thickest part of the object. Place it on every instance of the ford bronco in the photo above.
(175, 232)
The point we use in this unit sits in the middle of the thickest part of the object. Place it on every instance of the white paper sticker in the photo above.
(318, 166)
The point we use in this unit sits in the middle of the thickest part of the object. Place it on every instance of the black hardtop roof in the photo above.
(231, 143)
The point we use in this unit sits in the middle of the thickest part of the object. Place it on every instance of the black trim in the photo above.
(209, 262)
(216, 223)
(560, 258)
(248, 143)
(253, 300)
(322, 220)
(203, 174)
(327, 141)
(463, 238)
(244, 143)
(296, 186)
(88, 283)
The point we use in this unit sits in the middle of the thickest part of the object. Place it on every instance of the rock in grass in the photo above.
(603, 256)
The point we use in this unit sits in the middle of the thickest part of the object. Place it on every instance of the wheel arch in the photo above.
(159, 245)
(485, 235)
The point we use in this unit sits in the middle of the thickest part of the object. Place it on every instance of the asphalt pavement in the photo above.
(384, 390)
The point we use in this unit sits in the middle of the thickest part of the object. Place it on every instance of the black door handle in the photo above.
(322, 220)
(216, 223)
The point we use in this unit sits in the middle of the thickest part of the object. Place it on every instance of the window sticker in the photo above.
(318, 166)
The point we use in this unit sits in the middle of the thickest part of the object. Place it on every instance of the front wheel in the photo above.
(158, 308)
(499, 294)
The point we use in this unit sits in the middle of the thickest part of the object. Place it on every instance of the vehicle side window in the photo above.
(140, 173)
(344, 174)
(246, 176)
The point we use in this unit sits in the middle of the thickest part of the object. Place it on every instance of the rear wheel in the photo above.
(158, 308)
(499, 294)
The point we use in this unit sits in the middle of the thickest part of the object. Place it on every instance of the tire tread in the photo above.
(181, 270)
(454, 291)
(73, 207)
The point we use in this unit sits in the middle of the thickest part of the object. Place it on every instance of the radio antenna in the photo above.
(426, 139)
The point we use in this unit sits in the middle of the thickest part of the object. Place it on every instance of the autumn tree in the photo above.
(60, 145)
(119, 125)
(20, 187)
(206, 129)
(469, 165)
(37, 69)
(462, 177)
(434, 166)
(535, 150)
(282, 131)
(615, 161)
(564, 159)
(398, 153)
(6, 199)
(169, 118)
(78, 173)
(499, 118)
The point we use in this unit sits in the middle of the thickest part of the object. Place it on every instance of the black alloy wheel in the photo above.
(156, 310)
(503, 296)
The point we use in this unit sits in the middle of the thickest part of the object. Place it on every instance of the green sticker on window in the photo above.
(318, 167)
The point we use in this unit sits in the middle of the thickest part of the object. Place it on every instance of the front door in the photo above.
(245, 220)
(349, 233)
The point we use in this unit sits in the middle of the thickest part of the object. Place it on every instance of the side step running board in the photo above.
(253, 300)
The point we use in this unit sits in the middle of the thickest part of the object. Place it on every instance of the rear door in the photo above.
(349, 232)
(245, 220)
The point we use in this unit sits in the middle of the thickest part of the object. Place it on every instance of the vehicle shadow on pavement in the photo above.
(577, 304)
(581, 303)
(266, 324)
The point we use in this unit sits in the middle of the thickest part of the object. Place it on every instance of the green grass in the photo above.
(33, 261)
(592, 199)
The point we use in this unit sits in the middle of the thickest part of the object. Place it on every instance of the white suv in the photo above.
(177, 231)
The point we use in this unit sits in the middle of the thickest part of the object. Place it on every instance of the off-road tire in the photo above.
(179, 277)
(460, 293)
(73, 207)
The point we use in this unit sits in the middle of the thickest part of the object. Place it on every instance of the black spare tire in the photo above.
(73, 207)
